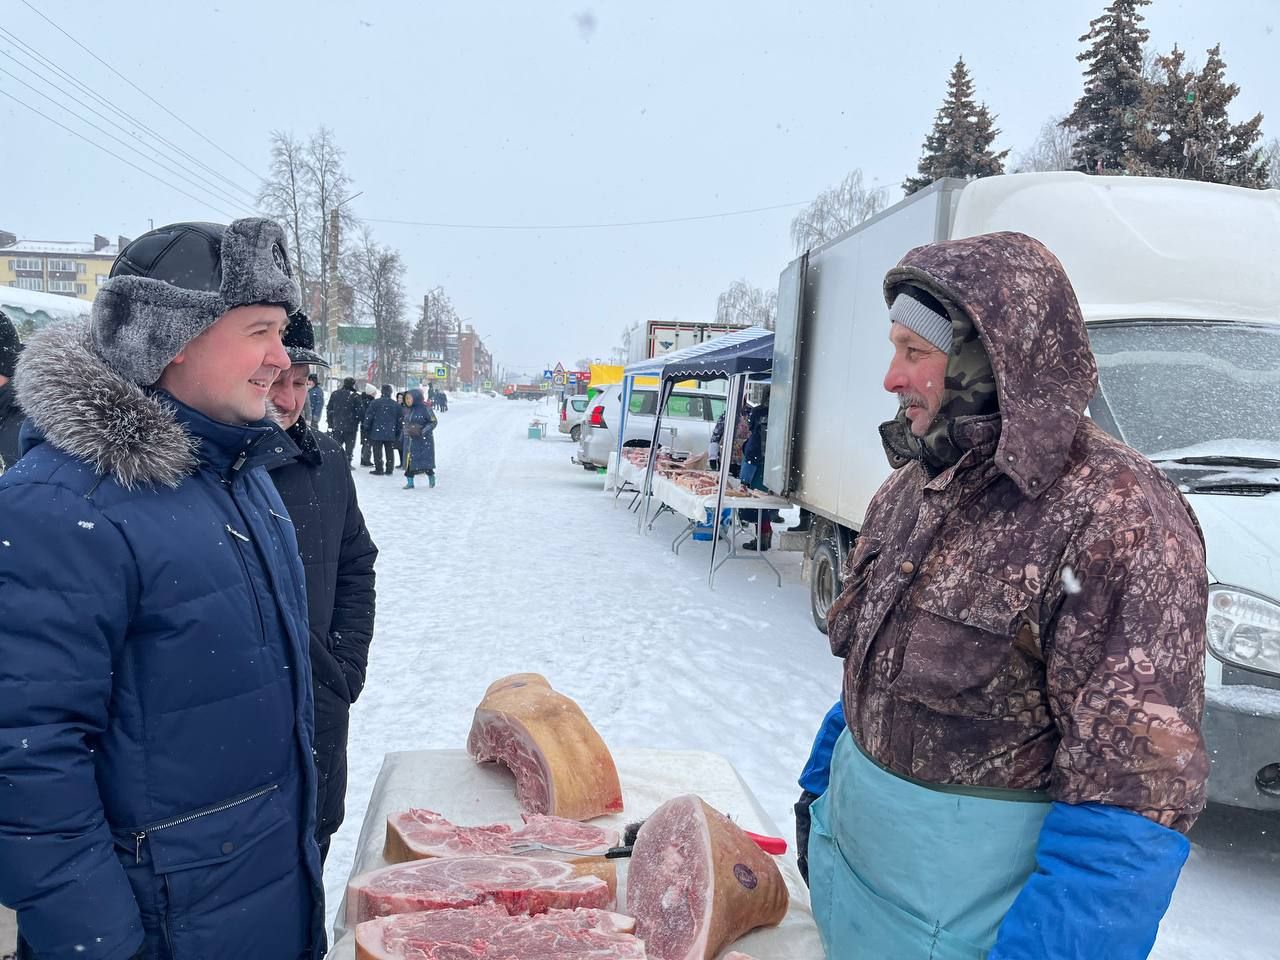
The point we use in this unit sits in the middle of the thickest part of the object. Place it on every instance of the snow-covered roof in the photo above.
(68, 248)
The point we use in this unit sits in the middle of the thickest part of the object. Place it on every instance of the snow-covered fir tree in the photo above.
(1186, 130)
(1107, 114)
(960, 143)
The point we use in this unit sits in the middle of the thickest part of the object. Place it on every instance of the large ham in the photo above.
(697, 882)
(489, 933)
(421, 834)
(517, 884)
(561, 765)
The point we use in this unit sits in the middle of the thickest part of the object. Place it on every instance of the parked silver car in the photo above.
(690, 417)
(573, 410)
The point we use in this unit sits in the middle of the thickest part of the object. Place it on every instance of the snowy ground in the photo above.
(518, 561)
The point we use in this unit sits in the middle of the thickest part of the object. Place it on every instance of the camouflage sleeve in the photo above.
(1125, 670)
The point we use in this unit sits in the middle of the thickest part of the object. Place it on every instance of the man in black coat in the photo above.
(382, 425)
(338, 556)
(363, 400)
(342, 416)
(11, 415)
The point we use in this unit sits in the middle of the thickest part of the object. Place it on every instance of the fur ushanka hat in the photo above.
(171, 284)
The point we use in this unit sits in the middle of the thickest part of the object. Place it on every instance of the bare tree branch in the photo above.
(747, 306)
(836, 211)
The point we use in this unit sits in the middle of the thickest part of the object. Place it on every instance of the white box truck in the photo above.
(1179, 283)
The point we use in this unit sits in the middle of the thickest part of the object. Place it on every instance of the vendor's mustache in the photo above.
(911, 400)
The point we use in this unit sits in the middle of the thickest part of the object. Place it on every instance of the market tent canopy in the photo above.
(656, 366)
(734, 353)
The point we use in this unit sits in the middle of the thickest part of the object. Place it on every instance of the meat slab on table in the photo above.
(697, 882)
(489, 933)
(561, 765)
(519, 885)
(421, 834)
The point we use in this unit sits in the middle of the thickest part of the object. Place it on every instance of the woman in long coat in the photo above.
(418, 440)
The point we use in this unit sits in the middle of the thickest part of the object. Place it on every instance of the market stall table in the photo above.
(450, 783)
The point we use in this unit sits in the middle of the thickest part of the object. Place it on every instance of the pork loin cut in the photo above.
(488, 933)
(421, 834)
(697, 882)
(561, 765)
(517, 884)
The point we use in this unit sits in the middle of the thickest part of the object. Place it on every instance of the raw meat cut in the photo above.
(420, 834)
(736, 956)
(488, 933)
(561, 765)
(517, 884)
(697, 882)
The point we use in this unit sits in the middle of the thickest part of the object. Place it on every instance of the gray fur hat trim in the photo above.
(139, 324)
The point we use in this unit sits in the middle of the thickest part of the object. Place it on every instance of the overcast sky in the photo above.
(542, 112)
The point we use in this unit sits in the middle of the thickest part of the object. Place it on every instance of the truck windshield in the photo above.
(1177, 390)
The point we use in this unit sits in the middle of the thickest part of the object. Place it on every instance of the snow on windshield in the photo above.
(1191, 389)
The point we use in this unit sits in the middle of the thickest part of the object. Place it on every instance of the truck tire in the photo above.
(824, 581)
(575, 432)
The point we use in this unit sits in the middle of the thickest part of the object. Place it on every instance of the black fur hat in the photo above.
(171, 284)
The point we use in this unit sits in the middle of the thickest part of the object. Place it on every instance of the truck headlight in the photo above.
(1244, 629)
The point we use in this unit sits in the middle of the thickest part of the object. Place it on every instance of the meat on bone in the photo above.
(561, 765)
(697, 882)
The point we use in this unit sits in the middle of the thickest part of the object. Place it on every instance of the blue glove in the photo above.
(817, 772)
(1103, 882)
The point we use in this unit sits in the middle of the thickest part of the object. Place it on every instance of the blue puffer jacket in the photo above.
(156, 781)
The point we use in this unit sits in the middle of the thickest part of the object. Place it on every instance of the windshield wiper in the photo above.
(1260, 463)
(1237, 486)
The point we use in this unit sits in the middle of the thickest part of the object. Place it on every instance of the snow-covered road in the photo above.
(518, 562)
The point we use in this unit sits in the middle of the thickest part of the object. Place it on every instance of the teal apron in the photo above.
(904, 870)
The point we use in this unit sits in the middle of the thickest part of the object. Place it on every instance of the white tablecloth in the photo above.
(448, 782)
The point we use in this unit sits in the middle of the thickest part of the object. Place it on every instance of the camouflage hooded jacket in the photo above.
(1034, 616)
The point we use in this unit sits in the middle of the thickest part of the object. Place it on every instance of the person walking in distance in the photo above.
(315, 401)
(383, 423)
(419, 439)
(343, 420)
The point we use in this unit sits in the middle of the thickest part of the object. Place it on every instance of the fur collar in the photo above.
(85, 408)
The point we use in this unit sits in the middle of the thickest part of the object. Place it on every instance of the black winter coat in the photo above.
(382, 420)
(11, 418)
(342, 416)
(363, 400)
(338, 557)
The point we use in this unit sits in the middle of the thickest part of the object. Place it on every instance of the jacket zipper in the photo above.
(141, 835)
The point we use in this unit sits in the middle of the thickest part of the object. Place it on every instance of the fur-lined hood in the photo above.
(85, 408)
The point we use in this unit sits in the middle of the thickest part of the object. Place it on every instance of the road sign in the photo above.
(442, 372)
(559, 368)
(546, 386)
(547, 374)
(558, 379)
(488, 385)
(571, 378)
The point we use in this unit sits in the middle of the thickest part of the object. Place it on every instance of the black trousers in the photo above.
(348, 441)
(384, 452)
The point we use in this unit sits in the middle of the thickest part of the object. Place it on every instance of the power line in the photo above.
(77, 133)
(587, 226)
(215, 193)
(208, 184)
(36, 56)
(138, 88)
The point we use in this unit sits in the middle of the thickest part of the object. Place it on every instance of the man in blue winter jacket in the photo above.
(157, 787)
